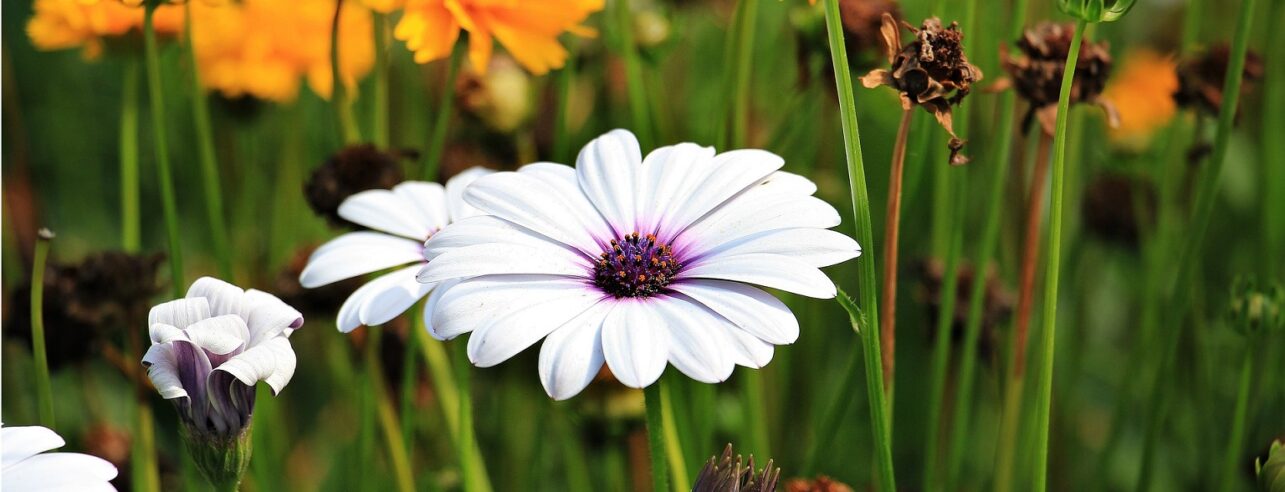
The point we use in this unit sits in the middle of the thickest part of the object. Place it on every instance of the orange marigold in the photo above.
(89, 25)
(528, 30)
(1142, 91)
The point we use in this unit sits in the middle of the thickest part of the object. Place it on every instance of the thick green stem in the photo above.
(1045, 390)
(1273, 146)
(656, 437)
(673, 445)
(388, 422)
(869, 331)
(44, 389)
(1231, 459)
(156, 98)
(379, 93)
(348, 130)
(638, 110)
(448, 388)
(129, 216)
(212, 188)
(441, 121)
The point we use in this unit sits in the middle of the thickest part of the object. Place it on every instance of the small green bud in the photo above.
(223, 460)
(1095, 10)
(1271, 473)
(1256, 309)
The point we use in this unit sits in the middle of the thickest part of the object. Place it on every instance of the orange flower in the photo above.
(262, 48)
(529, 30)
(1142, 91)
(68, 24)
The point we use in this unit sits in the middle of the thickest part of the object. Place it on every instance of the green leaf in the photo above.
(854, 311)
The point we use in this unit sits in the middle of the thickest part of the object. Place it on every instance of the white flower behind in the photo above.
(26, 467)
(210, 348)
(401, 219)
(633, 262)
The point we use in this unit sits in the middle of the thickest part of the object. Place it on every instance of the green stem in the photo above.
(130, 229)
(469, 463)
(1274, 147)
(561, 132)
(1231, 459)
(656, 437)
(445, 104)
(44, 389)
(348, 130)
(869, 332)
(638, 109)
(388, 422)
(379, 94)
(1045, 391)
(746, 20)
(673, 445)
(448, 389)
(159, 125)
(146, 477)
(209, 162)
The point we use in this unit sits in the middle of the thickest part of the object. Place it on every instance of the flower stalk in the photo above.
(445, 105)
(213, 190)
(656, 436)
(869, 330)
(130, 222)
(1231, 458)
(673, 445)
(388, 423)
(1030, 256)
(44, 390)
(892, 221)
(156, 96)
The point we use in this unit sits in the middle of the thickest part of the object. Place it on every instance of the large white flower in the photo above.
(211, 347)
(26, 467)
(402, 219)
(634, 262)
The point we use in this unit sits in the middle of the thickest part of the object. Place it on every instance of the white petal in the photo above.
(495, 258)
(746, 306)
(571, 356)
(635, 343)
(696, 346)
(607, 169)
(219, 335)
(483, 229)
(272, 361)
(531, 200)
(401, 292)
(357, 253)
(383, 210)
(20, 443)
(481, 301)
(733, 172)
(224, 298)
(268, 316)
(669, 176)
(426, 202)
(179, 313)
(430, 306)
(748, 350)
(162, 369)
(774, 271)
(349, 317)
(59, 472)
(163, 333)
(754, 213)
(816, 247)
(455, 204)
(503, 338)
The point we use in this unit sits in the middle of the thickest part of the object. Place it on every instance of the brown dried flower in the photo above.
(1037, 72)
(822, 483)
(353, 169)
(724, 475)
(931, 72)
(1200, 78)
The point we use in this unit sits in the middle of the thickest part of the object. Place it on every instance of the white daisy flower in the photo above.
(402, 219)
(26, 467)
(210, 348)
(635, 262)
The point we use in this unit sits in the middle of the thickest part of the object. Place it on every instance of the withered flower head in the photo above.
(721, 474)
(997, 302)
(1037, 72)
(822, 483)
(931, 72)
(351, 170)
(1116, 207)
(1200, 78)
(85, 300)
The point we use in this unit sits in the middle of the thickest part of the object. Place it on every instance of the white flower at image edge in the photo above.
(26, 467)
(633, 262)
(210, 348)
(401, 219)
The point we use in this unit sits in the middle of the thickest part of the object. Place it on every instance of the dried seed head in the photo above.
(722, 474)
(1037, 72)
(932, 72)
(1116, 207)
(353, 169)
(1200, 78)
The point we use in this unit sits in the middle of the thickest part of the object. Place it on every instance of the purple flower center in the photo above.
(636, 266)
